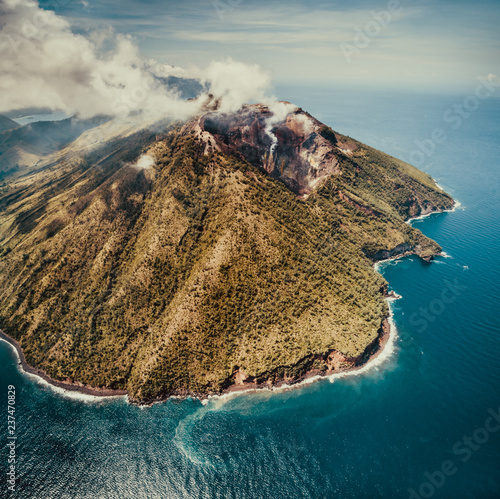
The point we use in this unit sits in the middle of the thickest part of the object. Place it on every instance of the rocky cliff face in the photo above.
(286, 142)
(300, 151)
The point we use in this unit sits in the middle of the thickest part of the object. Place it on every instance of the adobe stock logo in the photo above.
(464, 449)
(427, 315)
(363, 37)
(454, 117)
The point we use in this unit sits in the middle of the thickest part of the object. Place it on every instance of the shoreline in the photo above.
(383, 344)
(43, 378)
(456, 205)
(384, 350)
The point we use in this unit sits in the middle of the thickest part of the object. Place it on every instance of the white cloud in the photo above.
(235, 83)
(44, 63)
(280, 111)
(144, 162)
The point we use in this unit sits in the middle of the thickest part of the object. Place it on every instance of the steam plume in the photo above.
(44, 63)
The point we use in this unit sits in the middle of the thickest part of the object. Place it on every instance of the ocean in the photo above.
(423, 423)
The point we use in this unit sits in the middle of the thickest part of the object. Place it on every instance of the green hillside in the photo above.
(173, 279)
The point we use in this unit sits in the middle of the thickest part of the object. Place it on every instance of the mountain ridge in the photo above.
(214, 265)
(7, 124)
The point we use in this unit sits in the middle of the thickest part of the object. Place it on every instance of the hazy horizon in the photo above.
(418, 45)
(112, 58)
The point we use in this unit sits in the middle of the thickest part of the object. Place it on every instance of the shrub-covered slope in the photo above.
(202, 269)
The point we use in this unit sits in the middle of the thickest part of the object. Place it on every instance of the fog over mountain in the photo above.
(46, 63)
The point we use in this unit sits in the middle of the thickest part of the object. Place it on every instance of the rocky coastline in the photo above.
(335, 361)
(269, 381)
(65, 385)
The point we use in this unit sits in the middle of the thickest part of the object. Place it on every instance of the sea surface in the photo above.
(34, 118)
(420, 424)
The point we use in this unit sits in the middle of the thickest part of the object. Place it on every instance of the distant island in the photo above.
(230, 252)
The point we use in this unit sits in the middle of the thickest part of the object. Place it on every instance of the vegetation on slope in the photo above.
(172, 279)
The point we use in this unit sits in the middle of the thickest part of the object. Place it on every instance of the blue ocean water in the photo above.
(422, 424)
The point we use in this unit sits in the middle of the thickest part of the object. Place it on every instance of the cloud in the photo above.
(235, 83)
(46, 63)
(145, 162)
(280, 111)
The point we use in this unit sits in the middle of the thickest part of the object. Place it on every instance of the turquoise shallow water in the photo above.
(385, 433)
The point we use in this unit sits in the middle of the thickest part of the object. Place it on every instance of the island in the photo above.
(230, 252)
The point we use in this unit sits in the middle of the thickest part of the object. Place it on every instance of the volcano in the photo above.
(232, 250)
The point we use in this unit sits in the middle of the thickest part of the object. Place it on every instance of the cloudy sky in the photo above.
(428, 44)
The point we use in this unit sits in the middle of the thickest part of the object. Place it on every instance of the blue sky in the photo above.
(431, 45)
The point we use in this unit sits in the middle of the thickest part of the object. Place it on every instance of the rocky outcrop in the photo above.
(325, 364)
(282, 139)
(399, 250)
(405, 249)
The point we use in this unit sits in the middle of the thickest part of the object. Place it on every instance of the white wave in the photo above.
(73, 394)
(70, 394)
(183, 439)
(389, 262)
(456, 204)
(373, 364)
(422, 217)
